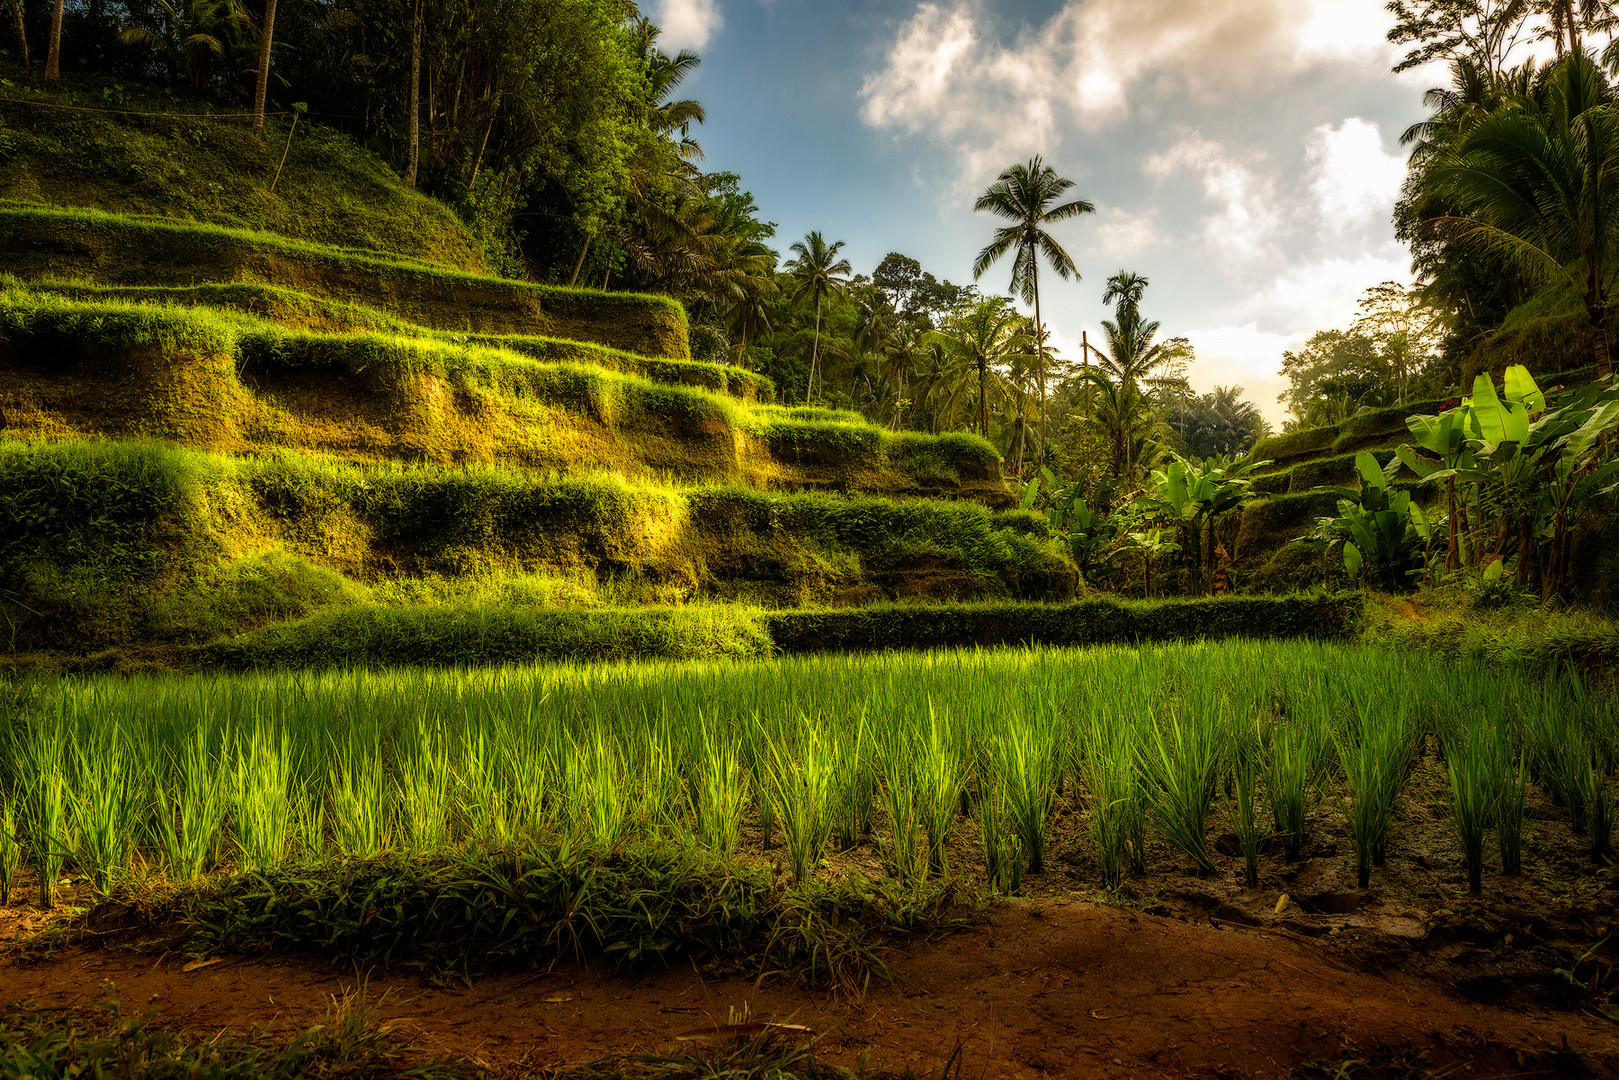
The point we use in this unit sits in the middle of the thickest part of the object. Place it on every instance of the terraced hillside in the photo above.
(1263, 540)
(209, 431)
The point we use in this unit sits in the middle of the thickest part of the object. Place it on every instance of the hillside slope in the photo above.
(214, 424)
(99, 144)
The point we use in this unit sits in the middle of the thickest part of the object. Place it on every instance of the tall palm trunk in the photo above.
(815, 350)
(413, 151)
(261, 89)
(53, 53)
(983, 395)
(22, 30)
(1040, 359)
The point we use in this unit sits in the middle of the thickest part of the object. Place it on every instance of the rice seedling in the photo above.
(42, 757)
(594, 788)
(1026, 762)
(101, 808)
(1509, 813)
(939, 779)
(357, 787)
(1109, 771)
(1240, 803)
(1179, 758)
(854, 784)
(191, 807)
(1375, 752)
(906, 850)
(422, 789)
(527, 759)
(480, 789)
(10, 850)
(1293, 759)
(1477, 771)
(260, 796)
(801, 786)
(719, 791)
(1002, 837)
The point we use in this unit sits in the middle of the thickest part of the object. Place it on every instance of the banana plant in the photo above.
(1373, 523)
(1089, 532)
(1191, 495)
(1539, 458)
(1150, 544)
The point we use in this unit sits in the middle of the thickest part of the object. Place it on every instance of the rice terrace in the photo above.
(1124, 584)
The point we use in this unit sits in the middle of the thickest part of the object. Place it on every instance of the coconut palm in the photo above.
(53, 49)
(986, 334)
(1134, 359)
(261, 84)
(1024, 195)
(1534, 184)
(819, 273)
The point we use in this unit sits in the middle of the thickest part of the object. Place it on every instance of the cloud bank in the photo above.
(687, 24)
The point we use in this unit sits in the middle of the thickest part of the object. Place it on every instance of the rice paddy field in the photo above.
(968, 765)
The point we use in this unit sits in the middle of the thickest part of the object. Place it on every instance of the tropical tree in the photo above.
(818, 272)
(1536, 184)
(53, 51)
(1024, 195)
(1135, 359)
(261, 87)
(22, 31)
(1219, 423)
(985, 334)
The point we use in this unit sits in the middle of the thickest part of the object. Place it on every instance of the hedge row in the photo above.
(381, 637)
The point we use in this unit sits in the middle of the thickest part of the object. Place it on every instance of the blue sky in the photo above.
(1242, 154)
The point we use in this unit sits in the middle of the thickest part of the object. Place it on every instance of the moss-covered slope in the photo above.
(98, 147)
(45, 243)
(109, 544)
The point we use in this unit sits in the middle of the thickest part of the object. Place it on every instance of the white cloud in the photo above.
(687, 24)
(947, 74)
(1246, 213)
(1120, 234)
(1354, 182)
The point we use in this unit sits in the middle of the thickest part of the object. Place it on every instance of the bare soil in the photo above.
(1044, 988)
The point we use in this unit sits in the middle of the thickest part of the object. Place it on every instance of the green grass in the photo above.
(539, 762)
(215, 379)
(106, 1042)
(50, 243)
(296, 311)
(109, 543)
(192, 165)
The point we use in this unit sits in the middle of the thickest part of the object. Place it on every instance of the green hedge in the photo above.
(454, 636)
(1084, 622)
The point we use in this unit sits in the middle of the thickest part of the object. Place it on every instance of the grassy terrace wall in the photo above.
(112, 249)
(222, 381)
(110, 543)
(294, 310)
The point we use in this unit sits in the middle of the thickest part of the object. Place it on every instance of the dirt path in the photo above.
(1046, 989)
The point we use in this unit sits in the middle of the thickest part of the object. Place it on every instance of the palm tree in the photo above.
(261, 87)
(1023, 195)
(819, 273)
(53, 51)
(985, 334)
(903, 352)
(22, 31)
(1534, 184)
(1133, 358)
